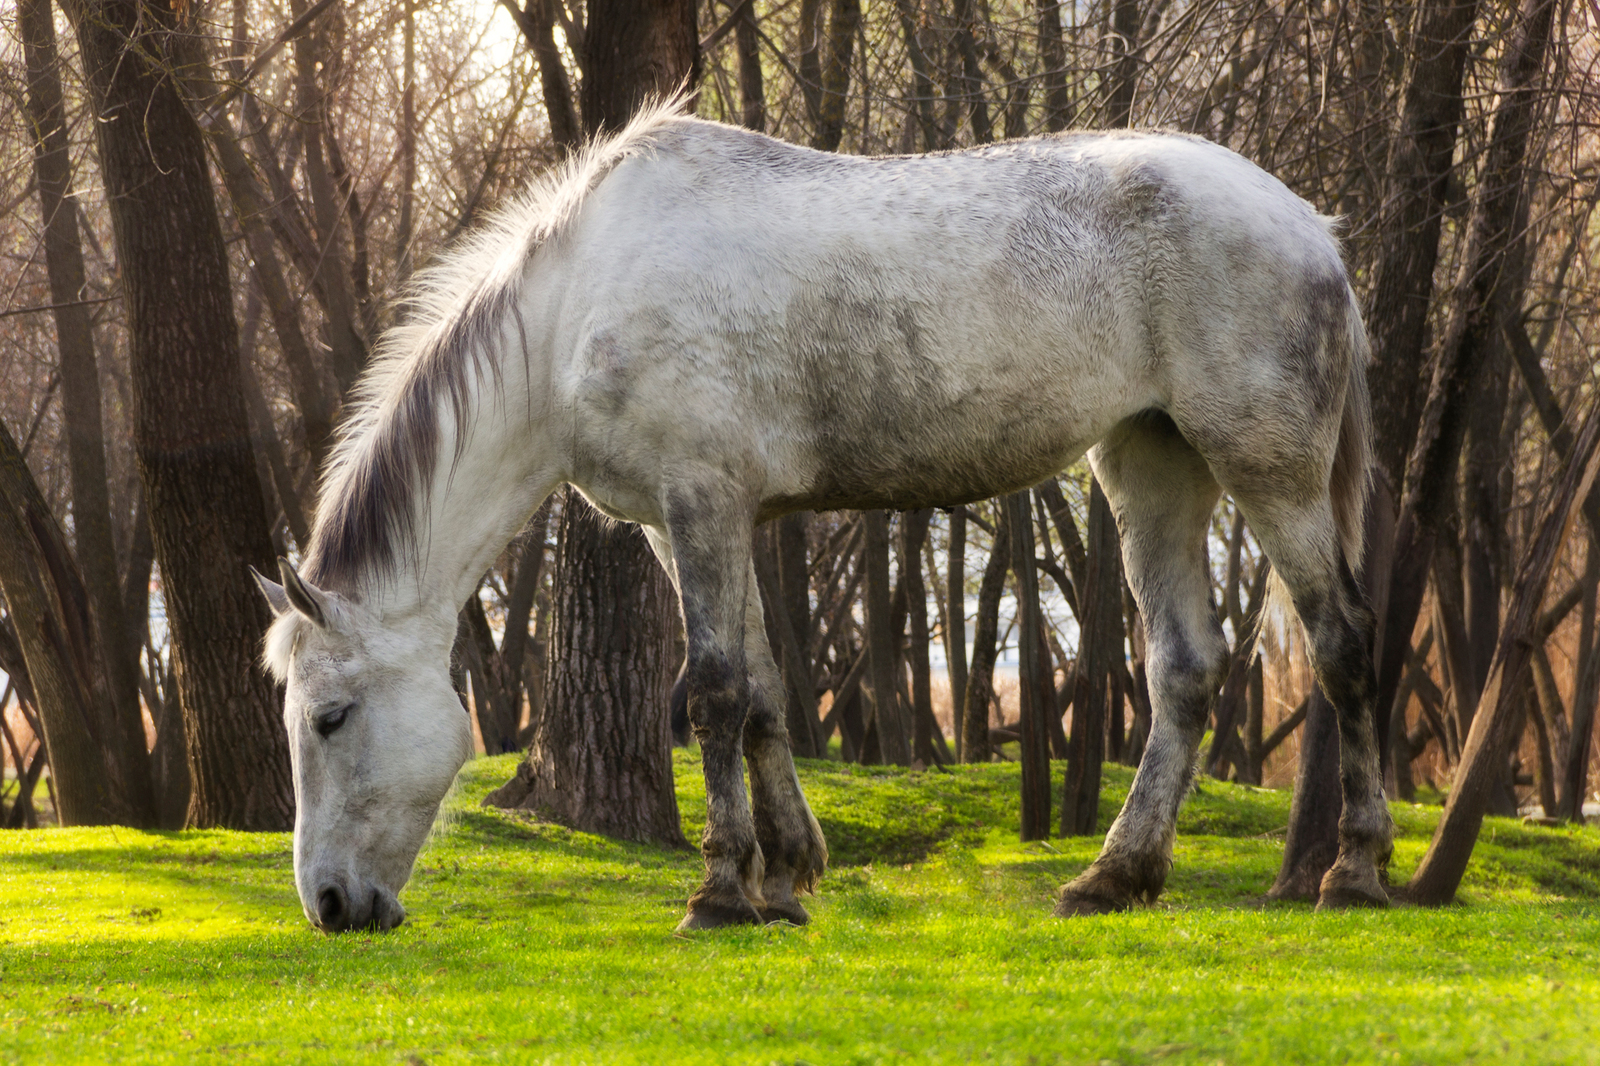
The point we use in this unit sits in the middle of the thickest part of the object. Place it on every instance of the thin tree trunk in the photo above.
(844, 21)
(80, 396)
(913, 532)
(1036, 699)
(1100, 651)
(921, 82)
(752, 89)
(408, 142)
(955, 629)
(1124, 78)
(894, 739)
(347, 349)
(537, 23)
(975, 746)
(1057, 102)
(971, 76)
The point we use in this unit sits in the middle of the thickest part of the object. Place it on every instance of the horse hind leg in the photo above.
(1163, 494)
(791, 841)
(1301, 538)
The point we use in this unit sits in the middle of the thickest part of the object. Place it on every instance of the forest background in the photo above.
(190, 297)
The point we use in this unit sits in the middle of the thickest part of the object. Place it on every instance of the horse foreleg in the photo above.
(1162, 493)
(709, 566)
(791, 841)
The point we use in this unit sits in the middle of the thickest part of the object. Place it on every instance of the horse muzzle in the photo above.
(340, 910)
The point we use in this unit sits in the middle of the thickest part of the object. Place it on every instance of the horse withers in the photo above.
(703, 328)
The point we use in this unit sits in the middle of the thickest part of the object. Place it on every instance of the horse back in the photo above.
(920, 330)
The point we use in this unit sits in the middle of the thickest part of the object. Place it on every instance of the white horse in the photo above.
(703, 328)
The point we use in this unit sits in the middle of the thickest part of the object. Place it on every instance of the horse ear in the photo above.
(302, 595)
(276, 598)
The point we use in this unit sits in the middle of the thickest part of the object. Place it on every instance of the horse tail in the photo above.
(1351, 474)
(1352, 460)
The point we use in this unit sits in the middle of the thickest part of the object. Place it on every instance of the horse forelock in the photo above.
(380, 471)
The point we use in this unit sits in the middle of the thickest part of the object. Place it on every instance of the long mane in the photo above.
(381, 467)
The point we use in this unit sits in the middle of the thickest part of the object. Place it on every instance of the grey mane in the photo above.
(456, 310)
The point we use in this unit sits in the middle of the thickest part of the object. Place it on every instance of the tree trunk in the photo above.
(191, 434)
(913, 532)
(894, 739)
(1057, 102)
(601, 758)
(537, 23)
(955, 622)
(634, 50)
(975, 746)
(1037, 700)
(1421, 157)
(1125, 70)
(922, 83)
(971, 76)
(80, 397)
(1498, 720)
(49, 611)
(1099, 653)
(752, 91)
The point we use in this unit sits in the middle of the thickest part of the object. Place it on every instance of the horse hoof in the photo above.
(784, 911)
(1341, 892)
(716, 914)
(1077, 905)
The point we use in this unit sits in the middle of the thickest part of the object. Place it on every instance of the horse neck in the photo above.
(489, 477)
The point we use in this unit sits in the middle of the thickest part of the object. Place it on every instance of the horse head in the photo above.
(376, 736)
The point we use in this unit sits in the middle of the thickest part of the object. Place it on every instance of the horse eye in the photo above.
(332, 720)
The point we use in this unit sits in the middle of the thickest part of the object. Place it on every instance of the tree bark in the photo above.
(601, 757)
(752, 91)
(80, 395)
(1312, 843)
(191, 433)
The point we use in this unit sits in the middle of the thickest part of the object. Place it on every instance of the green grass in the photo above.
(931, 942)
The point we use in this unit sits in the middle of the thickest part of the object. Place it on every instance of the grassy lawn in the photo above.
(931, 942)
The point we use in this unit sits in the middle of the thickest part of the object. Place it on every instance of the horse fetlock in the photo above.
(1113, 883)
(1368, 833)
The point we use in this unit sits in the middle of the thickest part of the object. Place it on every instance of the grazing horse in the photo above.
(703, 328)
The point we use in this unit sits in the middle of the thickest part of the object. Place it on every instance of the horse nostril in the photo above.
(333, 909)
